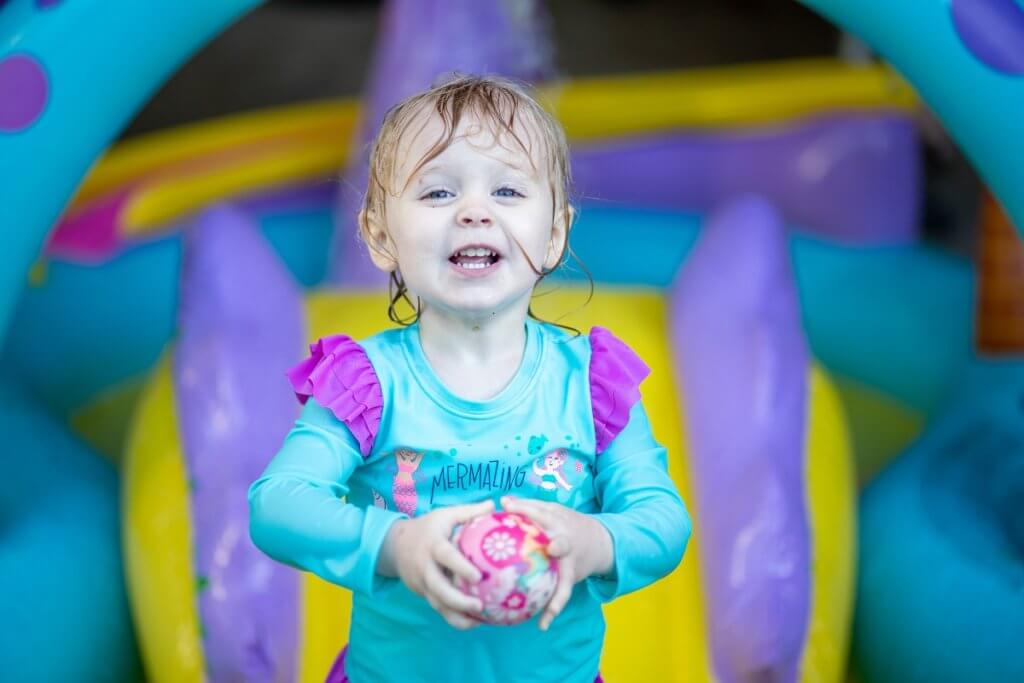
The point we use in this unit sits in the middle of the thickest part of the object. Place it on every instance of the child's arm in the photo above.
(420, 552)
(638, 537)
(296, 512)
(640, 508)
(297, 517)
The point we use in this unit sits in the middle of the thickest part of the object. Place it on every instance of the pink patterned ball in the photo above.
(511, 552)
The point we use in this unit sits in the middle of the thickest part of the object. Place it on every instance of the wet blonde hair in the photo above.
(493, 101)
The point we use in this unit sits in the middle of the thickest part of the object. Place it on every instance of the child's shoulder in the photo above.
(599, 346)
(389, 336)
(384, 345)
(613, 371)
(339, 375)
(340, 349)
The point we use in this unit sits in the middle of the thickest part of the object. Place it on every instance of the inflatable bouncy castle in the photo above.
(845, 432)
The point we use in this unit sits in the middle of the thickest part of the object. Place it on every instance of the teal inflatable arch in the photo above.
(74, 72)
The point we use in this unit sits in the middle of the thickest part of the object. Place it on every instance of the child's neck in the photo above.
(474, 358)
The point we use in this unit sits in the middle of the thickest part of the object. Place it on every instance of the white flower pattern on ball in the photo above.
(518, 576)
(511, 609)
(499, 546)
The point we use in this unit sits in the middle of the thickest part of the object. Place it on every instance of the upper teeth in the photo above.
(477, 251)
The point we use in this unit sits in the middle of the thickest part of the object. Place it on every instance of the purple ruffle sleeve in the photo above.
(341, 378)
(615, 376)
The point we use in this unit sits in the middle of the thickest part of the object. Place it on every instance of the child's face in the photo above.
(554, 460)
(479, 193)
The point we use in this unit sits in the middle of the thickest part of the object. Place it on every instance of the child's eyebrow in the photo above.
(516, 167)
(531, 173)
(427, 170)
(510, 163)
(421, 174)
(430, 169)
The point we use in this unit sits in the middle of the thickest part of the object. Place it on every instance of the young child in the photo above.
(473, 403)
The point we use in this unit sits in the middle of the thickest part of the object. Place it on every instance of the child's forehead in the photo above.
(519, 148)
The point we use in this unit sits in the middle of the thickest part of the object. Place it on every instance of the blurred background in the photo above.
(829, 292)
(313, 49)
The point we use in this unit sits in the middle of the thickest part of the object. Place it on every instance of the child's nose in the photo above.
(474, 216)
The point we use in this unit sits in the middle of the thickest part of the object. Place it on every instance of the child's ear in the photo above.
(559, 236)
(382, 251)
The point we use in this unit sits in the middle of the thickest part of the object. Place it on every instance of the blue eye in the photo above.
(507, 192)
(437, 195)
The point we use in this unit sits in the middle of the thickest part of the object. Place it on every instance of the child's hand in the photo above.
(581, 543)
(420, 550)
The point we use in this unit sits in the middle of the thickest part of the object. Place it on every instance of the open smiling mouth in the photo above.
(475, 260)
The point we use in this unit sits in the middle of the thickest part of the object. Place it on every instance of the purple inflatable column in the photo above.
(851, 178)
(420, 40)
(241, 326)
(742, 362)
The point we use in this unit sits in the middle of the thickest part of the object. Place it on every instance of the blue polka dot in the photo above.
(993, 31)
(24, 92)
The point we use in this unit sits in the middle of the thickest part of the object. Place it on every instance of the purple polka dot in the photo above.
(993, 30)
(24, 91)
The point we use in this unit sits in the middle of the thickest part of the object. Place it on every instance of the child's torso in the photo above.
(432, 450)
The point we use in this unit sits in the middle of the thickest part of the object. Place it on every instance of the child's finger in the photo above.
(535, 511)
(532, 503)
(558, 601)
(560, 546)
(458, 620)
(464, 513)
(455, 619)
(447, 595)
(520, 505)
(449, 557)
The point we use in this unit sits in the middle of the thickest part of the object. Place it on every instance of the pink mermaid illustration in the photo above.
(549, 469)
(403, 488)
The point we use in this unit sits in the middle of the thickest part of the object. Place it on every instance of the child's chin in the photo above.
(481, 305)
